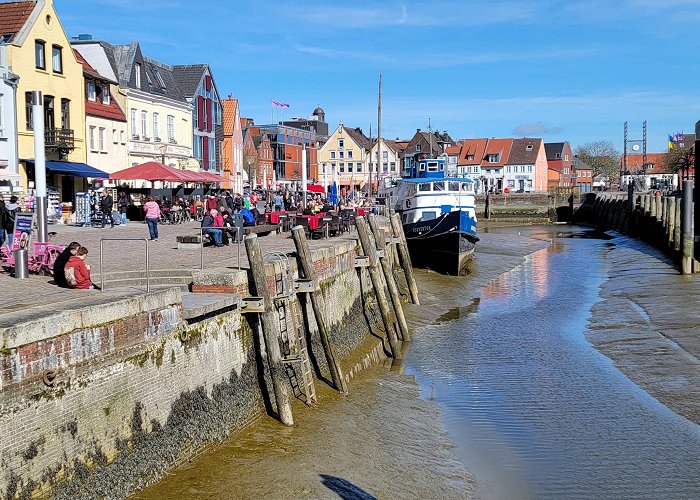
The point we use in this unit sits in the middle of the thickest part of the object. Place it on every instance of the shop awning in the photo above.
(8, 175)
(73, 168)
(152, 171)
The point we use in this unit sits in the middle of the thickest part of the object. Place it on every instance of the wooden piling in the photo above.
(271, 329)
(671, 220)
(405, 257)
(687, 236)
(378, 284)
(487, 207)
(318, 304)
(677, 229)
(380, 239)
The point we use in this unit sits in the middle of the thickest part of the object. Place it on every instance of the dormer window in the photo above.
(528, 147)
(91, 95)
(137, 69)
(470, 157)
(557, 156)
(417, 147)
(492, 158)
(149, 80)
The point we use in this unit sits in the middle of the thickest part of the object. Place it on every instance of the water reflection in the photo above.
(533, 409)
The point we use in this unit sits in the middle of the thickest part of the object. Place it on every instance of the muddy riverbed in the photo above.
(501, 394)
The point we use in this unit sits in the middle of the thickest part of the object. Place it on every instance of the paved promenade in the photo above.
(129, 256)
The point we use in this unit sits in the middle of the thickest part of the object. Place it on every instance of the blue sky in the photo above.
(562, 70)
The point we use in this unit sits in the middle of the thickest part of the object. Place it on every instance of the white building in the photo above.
(9, 176)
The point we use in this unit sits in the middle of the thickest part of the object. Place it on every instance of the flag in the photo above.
(670, 142)
(280, 104)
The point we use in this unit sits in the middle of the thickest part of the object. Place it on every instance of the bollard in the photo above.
(21, 257)
(671, 221)
(687, 236)
(630, 197)
(677, 230)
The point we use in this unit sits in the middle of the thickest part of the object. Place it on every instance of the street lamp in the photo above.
(249, 161)
(163, 148)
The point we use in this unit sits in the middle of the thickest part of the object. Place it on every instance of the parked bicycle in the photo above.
(40, 261)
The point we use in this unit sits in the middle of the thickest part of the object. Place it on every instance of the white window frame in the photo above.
(156, 128)
(91, 91)
(144, 124)
(105, 95)
(134, 132)
(171, 128)
(101, 139)
(57, 50)
(91, 135)
(137, 67)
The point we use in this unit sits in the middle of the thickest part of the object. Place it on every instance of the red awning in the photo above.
(152, 171)
(315, 188)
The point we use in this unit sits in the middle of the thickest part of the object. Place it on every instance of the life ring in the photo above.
(506, 190)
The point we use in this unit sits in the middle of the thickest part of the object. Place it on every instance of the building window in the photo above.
(65, 113)
(159, 78)
(28, 107)
(57, 59)
(102, 139)
(332, 155)
(144, 125)
(92, 138)
(171, 128)
(492, 158)
(557, 156)
(115, 136)
(39, 55)
(342, 167)
(137, 69)
(385, 155)
(133, 123)
(349, 155)
(341, 154)
(349, 167)
(417, 147)
(91, 95)
(156, 128)
(359, 167)
(392, 166)
(529, 168)
(528, 147)
(341, 143)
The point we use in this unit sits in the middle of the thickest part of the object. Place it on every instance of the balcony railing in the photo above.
(61, 138)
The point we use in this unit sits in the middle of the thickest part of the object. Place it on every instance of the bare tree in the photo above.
(681, 158)
(602, 156)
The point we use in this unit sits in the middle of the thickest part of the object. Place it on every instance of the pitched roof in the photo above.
(579, 164)
(358, 136)
(524, 151)
(554, 148)
(230, 106)
(111, 111)
(13, 17)
(188, 77)
(656, 160)
(472, 151)
(453, 150)
(499, 147)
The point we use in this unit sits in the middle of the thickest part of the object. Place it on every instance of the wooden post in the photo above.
(405, 257)
(318, 304)
(380, 239)
(271, 329)
(487, 207)
(378, 285)
(677, 228)
(671, 220)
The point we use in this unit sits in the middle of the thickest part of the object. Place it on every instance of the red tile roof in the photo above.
(111, 111)
(472, 147)
(13, 16)
(657, 160)
(497, 146)
(453, 150)
(230, 107)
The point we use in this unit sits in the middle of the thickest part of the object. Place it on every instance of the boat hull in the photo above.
(444, 244)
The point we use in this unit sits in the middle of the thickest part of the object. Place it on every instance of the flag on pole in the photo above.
(280, 104)
(670, 142)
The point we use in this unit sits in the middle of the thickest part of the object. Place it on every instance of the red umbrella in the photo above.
(315, 188)
(151, 171)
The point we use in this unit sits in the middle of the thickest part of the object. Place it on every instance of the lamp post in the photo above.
(249, 162)
(163, 148)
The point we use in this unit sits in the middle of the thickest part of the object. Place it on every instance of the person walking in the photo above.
(152, 217)
(123, 206)
(106, 204)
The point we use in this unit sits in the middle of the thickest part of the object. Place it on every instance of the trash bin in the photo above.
(21, 257)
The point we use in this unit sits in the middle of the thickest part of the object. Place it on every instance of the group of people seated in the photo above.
(70, 269)
(219, 225)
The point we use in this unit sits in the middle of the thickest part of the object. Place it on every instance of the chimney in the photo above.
(417, 130)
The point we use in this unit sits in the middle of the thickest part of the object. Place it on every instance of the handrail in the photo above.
(102, 274)
(201, 244)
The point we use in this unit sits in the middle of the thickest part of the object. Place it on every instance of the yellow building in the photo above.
(40, 54)
(344, 157)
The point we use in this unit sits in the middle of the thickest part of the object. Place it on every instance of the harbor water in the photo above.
(511, 401)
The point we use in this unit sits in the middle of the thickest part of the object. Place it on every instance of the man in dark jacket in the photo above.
(106, 204)
(59, 266)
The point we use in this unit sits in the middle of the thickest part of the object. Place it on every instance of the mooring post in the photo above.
(378, 284)
(380, 239)
(405, 257)
(687, 229)
(318, 304)
(630, 197)
(487, 207)
(671, 220)
(271, 329)
(677, 229)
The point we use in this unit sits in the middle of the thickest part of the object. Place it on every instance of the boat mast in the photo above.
(379, 131)
(430, 138)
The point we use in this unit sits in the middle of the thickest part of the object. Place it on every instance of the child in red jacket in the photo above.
(78, 273)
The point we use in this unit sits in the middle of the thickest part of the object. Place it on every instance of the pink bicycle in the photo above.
(41, 260)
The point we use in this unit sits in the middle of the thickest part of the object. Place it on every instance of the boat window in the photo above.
(428, 215)
(421, 167)
(432, 166)
(411, 190)
(438, 186)
(466, 186)
(453, 186)
(424, 186)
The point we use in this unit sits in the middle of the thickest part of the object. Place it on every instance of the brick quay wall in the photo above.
(101, 398)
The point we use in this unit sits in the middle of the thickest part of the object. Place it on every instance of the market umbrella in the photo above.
(315, 188)
(151, 171)
(333, 194)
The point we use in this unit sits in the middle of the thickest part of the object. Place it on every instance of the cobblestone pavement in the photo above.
(129, 256)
